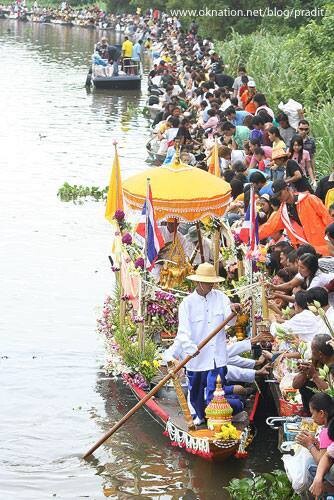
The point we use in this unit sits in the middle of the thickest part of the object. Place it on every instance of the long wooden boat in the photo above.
(165, 410)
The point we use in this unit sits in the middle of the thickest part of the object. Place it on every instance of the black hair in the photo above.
(301, 299)
(234, 101)
(285, 274)
(274, 130)
(299, 140)
(227, 126)
(292, 256)
(257, 177)
(255, 142)
(323, 401)
(286, 250)
(311, 262)
(260, 99)
(282, 117)
(258, 120)
(230, 110)
(228, 175)
(320, 341)
(305, 249)
(239, 166)
(258, 151)
(265, 116)
(318, 293)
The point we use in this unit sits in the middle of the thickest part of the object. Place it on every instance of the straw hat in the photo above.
(278, 153)
(205, 273)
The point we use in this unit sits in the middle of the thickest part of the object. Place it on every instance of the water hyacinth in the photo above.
(127, 239)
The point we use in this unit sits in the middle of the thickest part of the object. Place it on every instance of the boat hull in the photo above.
(165, 411)
(117, 82)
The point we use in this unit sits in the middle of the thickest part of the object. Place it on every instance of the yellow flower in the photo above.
(156, 363)
(145, 363)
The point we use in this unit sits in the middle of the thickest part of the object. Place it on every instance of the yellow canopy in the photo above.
(179, 190)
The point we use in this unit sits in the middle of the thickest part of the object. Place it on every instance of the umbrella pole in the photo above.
(158, 386)
(200, 242)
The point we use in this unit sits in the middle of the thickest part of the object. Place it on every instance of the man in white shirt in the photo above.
(199, 314)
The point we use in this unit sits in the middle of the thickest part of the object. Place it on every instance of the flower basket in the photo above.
(287, 408)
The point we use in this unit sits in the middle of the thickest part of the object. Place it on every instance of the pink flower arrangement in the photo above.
(127, 239)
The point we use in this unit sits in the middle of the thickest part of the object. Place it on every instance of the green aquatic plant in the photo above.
(274, 485)
(75, 192)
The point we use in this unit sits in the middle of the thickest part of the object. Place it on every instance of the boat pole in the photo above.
(162, 382)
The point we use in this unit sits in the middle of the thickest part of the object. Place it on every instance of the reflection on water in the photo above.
(54, 275)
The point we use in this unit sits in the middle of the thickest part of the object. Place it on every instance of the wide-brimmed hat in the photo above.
(205, 273)
(278, 153)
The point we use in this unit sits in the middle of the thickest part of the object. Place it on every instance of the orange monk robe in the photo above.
(314, 218)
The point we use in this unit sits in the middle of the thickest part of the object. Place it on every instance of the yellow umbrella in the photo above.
(179, 190)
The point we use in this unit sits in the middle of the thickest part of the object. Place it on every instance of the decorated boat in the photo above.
(225, 439)
(140, 320)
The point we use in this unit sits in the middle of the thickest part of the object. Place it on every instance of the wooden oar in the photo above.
(159, 385)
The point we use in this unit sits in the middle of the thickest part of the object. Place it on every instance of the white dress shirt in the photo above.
(304, 324)
(198, 316)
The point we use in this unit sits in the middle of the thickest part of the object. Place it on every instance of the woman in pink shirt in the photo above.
(322, 411)
(212, 122)
(301, 156)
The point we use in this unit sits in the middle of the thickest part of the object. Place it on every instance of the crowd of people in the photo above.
(198, 108)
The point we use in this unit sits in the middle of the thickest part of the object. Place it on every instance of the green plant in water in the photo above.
(75, 192)
(273, 486)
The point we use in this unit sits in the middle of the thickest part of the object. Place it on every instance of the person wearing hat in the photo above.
(199, 314)
(293, 173)
(248, 96)
(303, 216)
(193, 247)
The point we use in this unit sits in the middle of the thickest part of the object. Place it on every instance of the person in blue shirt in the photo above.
(236, 116)
(260, 183)
(136, 53)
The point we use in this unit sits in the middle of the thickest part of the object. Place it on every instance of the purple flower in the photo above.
(127, 239)
(115, 269)
(140, 262)
(119, 215)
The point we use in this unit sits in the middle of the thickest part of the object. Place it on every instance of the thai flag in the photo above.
(249, 232)
(153, 237)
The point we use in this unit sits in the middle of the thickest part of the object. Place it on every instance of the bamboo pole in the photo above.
(158, 386)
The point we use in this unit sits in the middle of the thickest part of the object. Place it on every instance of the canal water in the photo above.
(55, 400)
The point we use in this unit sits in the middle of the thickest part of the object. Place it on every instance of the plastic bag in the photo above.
(292, 108)
(296, 468)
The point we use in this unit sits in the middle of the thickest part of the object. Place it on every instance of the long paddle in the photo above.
(159, 385)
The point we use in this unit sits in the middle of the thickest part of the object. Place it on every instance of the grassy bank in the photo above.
(299, 65)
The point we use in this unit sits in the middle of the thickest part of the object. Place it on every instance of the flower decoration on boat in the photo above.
(119, 215)
(162, 309)
(139, 263)
(127, 239)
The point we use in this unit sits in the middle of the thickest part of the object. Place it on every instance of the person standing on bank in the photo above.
(200, 313)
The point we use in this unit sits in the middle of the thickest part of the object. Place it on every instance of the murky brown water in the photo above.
(54, 274)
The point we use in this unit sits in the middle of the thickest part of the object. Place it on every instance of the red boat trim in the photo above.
(151, 404)
(255, 405)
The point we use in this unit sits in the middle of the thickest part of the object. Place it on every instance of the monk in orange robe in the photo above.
(303, 216)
